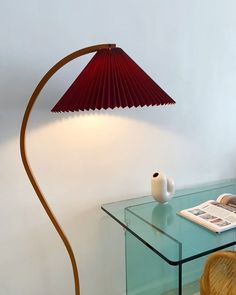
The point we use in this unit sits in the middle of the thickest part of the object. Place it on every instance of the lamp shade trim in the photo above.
(111, 79)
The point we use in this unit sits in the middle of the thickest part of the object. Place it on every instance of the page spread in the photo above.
(214, 215)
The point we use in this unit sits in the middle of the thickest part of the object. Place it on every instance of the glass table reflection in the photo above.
(165, 253)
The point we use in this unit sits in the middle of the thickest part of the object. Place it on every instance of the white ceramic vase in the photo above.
(162, 187)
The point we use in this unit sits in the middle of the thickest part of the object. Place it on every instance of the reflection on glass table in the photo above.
(165, 253)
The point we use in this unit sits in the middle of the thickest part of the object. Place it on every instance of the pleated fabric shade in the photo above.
(111, 79)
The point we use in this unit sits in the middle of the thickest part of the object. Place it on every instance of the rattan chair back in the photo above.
(219, 276)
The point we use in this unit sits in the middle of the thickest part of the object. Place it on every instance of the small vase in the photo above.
(162, 187)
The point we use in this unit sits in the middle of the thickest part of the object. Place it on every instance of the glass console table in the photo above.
(165, 253)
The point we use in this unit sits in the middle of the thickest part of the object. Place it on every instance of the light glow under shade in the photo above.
(111, 79)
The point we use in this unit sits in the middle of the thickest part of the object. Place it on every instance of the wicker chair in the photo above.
(219, 277)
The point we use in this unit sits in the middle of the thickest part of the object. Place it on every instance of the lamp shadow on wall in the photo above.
(40, 117)
(162, 117)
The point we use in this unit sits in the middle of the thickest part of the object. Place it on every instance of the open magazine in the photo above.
(218, 216)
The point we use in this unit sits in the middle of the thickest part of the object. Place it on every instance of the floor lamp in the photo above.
(111, 79)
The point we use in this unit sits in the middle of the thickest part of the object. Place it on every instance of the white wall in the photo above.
(84, 160)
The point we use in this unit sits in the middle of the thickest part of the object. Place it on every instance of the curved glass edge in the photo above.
(119, 210)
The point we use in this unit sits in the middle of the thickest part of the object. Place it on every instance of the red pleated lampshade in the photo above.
(111, 79)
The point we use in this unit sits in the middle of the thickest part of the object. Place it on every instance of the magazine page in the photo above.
(227, 199)
(213, 215)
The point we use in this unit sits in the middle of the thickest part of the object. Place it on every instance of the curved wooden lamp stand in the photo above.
(25, 161)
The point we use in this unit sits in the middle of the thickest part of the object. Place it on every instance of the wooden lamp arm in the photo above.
(25, 161)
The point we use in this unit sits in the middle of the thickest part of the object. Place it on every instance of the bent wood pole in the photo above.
(25, 160)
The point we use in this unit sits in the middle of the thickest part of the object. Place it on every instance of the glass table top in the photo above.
(174, 238)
